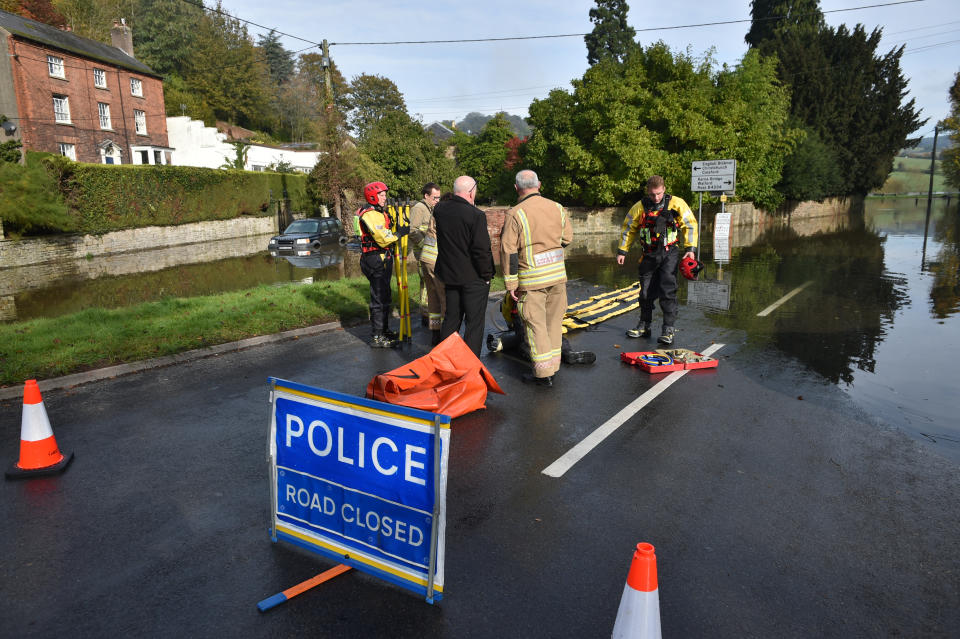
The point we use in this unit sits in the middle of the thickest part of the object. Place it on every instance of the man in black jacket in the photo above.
(464, 262)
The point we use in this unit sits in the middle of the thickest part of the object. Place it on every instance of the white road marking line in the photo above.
(783, 299)
(591, 441)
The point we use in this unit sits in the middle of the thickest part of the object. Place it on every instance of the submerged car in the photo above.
(307, 234)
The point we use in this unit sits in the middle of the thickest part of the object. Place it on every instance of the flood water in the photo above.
(877, 315)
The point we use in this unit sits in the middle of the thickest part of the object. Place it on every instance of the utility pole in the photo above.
(333, 137)
(326, 73)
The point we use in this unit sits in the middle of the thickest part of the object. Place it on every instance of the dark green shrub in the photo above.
(30, 201)
(103, 198)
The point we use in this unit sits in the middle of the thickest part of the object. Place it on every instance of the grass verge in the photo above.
(95, 338)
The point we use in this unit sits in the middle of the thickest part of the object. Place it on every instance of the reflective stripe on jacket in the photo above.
(531, 244)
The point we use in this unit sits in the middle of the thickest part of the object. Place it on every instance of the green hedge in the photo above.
(103, 198)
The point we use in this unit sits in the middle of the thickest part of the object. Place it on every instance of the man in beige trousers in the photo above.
(535, 232)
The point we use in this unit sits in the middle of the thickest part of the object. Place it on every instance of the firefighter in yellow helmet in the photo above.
(377, 243)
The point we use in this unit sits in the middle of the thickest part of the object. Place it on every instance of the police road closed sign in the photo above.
(361, 482)
(714, 175)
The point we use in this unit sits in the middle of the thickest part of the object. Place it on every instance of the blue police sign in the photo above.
(361, 482)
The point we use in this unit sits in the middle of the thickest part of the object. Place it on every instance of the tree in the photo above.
(40, 10)
(279, 61)
(94, 18)
(473, 122)
(485, 158)
(181, 99)
(399, 145)
(297, 108)
(811, 171)
(772, 19)
(341, 171)
(226, 71)
(951, 157)
(656, 113)
(371, 97)
(239, 160)
(164, 34)
(612, 37)
(310, 66)
(842, 90)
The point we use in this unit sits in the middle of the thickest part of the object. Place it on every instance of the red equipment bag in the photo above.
(448, 380)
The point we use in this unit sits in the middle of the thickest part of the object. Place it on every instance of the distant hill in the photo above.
(473, 123)
(925, 146)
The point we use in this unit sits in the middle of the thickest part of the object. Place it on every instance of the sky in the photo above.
(448, 81)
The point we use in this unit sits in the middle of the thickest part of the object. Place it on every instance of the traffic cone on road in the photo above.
(39, 454)
(639, 613)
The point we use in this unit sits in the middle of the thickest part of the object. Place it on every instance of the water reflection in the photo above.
(77, 291)
(945, 266)
(876, 317)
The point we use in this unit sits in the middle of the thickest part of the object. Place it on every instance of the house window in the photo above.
(100, 78)
(157, 157)
(104, 110)
(55, 66)
(136, 87)
(144, 157)
(140, 121)
(68, 150)
(61, 109)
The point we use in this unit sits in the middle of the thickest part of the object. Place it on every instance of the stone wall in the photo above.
(14, 253)
(585, 221)
(747, 221)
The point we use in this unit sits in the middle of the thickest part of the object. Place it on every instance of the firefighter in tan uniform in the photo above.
(424, 236)
(535, 231)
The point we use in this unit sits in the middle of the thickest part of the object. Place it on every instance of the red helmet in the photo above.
(690, 268)
(373, 189)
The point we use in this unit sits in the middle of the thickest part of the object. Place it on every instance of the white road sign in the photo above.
(714, 175)
(721, 237)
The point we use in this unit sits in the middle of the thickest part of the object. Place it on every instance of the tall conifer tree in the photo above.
(612, 37)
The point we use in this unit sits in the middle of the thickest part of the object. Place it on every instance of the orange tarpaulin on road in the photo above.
(448, 380)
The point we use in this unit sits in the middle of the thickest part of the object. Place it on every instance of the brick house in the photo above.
(78, 97)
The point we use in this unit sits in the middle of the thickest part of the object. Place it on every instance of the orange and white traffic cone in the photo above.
(639, 613)
(39, 454)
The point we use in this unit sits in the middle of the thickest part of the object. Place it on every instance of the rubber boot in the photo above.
(578, 357)
(667, 336)
(434, 337)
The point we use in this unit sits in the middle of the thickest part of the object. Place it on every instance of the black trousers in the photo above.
(466, 304)
(378, 270)
(658, 279)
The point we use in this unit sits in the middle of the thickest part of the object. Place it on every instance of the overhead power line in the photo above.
(199, 4)
(580, 35)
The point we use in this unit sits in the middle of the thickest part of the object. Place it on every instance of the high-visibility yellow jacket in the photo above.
(376, 234)
(640, 224)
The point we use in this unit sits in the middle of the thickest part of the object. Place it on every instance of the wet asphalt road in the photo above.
(777, 508)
